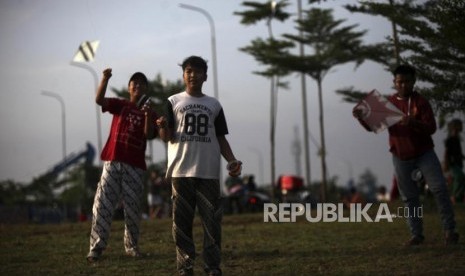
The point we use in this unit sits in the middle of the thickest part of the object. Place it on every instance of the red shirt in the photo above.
(407, 142)
(127, 141)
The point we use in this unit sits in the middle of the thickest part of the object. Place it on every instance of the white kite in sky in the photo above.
(378, 113)
(86, 51)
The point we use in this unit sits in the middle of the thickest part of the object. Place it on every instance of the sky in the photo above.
(40, 38)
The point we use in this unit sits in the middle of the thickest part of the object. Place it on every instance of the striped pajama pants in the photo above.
(119, 181)
(205, 194)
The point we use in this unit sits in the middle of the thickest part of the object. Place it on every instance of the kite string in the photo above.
(100, 60)
(408, 106)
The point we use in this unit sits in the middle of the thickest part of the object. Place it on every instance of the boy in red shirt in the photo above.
(412, 149)
(124, 164)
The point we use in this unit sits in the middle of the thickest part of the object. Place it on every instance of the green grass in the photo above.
(250, 247)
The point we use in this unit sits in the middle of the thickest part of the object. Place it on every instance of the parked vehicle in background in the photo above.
(290, 188)
(243, 196)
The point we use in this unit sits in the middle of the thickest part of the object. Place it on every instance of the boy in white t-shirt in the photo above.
(195, 129)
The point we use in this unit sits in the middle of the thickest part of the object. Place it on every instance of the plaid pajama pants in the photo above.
(205, 194)
(118, 181)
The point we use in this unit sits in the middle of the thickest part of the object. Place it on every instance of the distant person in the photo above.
(154, 197)
(195, 129)
(124, 165)
(250, 183)
(411, 146)
(453, 160)
(82, 216)
(382, 195)
(353, 198)
(236, 190)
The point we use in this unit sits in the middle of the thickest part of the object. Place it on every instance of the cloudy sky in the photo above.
(40, 38)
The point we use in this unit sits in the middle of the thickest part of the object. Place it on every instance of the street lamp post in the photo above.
(97, 109)
(63, 118)
(213, 41)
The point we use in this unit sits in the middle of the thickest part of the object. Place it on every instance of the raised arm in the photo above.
(101, 90)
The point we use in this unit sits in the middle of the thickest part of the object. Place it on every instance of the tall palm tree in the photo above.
(259, 48)
(332, 45)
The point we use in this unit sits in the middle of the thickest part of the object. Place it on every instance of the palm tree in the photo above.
(428, 35)
(260, 49)
(332, 45)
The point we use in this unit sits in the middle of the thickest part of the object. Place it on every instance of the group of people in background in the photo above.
(236, 188)
(158, 195)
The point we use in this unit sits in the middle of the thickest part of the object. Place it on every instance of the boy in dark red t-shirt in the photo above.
(124, 164)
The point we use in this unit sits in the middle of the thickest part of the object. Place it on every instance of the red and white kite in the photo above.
(378, 113)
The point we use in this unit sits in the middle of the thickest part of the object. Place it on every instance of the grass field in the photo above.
(250, 247)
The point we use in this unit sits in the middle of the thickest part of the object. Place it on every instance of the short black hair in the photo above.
(195, 61)
(405, 70)
(139, 75)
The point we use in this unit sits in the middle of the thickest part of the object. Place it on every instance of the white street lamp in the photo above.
(63, 118)
(213, 41)
(97, 108)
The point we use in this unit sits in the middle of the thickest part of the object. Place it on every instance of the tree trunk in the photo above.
(323, 144)
(272, 134)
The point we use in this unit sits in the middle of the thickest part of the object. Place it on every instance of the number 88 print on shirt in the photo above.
(194, 150)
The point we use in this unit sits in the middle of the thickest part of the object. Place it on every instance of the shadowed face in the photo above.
(137, 87)
(404, 84)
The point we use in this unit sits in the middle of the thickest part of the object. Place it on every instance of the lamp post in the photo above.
(63, 118)
(213, 41)
(97, 109)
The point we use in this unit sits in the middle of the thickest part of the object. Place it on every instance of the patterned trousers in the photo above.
(205, 194)
(118, 181)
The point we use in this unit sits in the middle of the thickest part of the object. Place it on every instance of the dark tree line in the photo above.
(430, 36)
